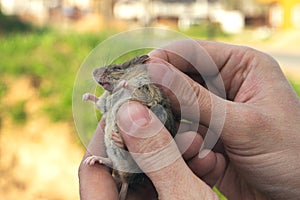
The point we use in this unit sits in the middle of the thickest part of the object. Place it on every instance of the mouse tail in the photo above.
(123, 191)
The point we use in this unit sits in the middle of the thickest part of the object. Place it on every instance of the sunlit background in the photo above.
(44, 42)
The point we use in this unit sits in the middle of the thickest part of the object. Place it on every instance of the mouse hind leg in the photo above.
(91, 160)
(117, 138)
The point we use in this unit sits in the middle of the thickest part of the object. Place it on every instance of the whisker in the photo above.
(108, 58)
(89, 82)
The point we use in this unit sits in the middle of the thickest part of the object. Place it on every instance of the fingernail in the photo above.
(203, 153)
(131, 116)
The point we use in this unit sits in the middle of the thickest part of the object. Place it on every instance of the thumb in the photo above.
(146, 137)
(156, 153)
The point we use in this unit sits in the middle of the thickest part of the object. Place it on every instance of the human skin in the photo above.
(257, 156)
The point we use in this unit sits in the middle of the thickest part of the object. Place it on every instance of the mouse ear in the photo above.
(135, 61)
(140, 59)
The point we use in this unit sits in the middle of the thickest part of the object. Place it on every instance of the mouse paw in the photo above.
(123, 84)
(90, 97)
(117, 140)
(91, 160)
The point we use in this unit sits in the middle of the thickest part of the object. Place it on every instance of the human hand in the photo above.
(258, 165)
(262, 120)
(172, 179)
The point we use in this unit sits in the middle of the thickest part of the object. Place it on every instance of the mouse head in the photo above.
(110, 75)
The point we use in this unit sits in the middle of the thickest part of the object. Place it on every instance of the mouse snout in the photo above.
(98, 75)
(98, 72)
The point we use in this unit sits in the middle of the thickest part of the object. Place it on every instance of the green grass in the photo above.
(220, 195)
(296, 85)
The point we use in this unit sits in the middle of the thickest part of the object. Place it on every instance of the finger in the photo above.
(189, 144)
(155, 151)
(181, 90)
(203, 131)
(95, 181)
(189, 100)
(209, 168)
(213, 59)
(212, 177)
(187, 55)
(204, 60)
(190, 55)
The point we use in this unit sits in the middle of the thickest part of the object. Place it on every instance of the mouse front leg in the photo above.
(89, 97)
(100, 102)
(124, 84)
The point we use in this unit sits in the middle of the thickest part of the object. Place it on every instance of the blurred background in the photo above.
(44, 42)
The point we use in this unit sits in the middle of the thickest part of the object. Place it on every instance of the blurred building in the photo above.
(145, 12)
(231, 15)
(41, 11)
(283, 13)
(184, 13)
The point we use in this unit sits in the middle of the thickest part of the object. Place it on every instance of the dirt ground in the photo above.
(39, 159)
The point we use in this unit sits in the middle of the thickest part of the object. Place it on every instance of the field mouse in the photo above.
(123, 82)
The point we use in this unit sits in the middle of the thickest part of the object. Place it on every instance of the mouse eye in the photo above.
(116, 68)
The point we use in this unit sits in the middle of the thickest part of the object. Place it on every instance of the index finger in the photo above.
(200, 60)
(193, 56)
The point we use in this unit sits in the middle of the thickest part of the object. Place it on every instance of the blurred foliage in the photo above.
(206, 30)
(3, 88)
(10, 24)
(220, 195)
(51, 60)
(18, 112)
